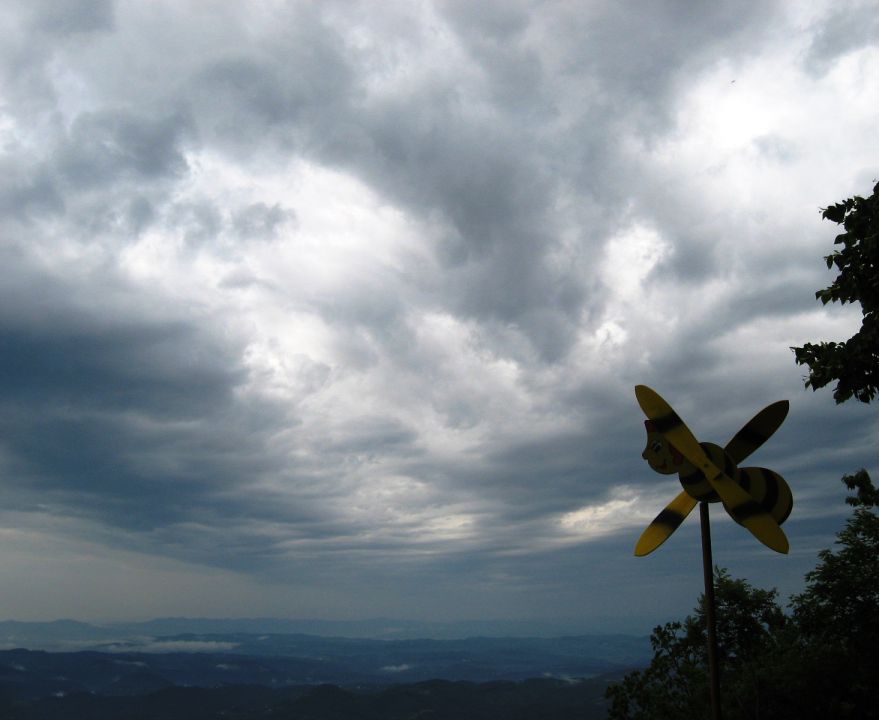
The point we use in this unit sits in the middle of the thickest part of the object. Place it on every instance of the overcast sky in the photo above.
(336, 309)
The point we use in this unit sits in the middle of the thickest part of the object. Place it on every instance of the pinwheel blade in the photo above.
(664, 524)
(757, 431)
(748, 513)
(669, 424)
(739, 504)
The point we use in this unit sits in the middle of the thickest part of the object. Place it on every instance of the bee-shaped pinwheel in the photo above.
(756, 498)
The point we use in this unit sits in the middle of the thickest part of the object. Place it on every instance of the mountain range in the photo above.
(73, 669)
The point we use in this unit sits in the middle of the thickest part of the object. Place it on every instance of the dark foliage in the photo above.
(838, 614)
(438, 700)
(854, 364)
(675, 684)
(866, 495)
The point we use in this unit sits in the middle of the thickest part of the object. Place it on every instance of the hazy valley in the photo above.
(72, 669)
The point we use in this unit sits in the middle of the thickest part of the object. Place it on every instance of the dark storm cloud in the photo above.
(194, 388)
(131, 421)
(848, 27)
(160, 369)
(65, 17)
(291, 93)
(135, 424)
(31, 33)
(365, 434)
(260, 221)
(28, 194)
(139, 214)
(482, 173)
(489, 174)
(664, 41)
(200, 221)
(565, 463)
(104, 173)
(426, 150)
(110, 146)
(91, 411)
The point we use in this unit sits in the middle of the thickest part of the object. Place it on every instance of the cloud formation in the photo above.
(339, 311)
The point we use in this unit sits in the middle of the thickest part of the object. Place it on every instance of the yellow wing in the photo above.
(664, 524)
(739, 504)
(757, 431)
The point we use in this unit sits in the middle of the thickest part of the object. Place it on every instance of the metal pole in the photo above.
(708, 570)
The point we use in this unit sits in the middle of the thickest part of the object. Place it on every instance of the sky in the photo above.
(336, 309)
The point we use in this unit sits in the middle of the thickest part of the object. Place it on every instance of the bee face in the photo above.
(659, 455)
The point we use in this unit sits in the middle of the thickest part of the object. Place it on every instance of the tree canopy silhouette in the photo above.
(854, 364)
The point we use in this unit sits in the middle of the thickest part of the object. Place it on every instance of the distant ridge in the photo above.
(383, 649)
(375, 628)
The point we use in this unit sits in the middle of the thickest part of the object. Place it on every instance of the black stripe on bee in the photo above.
(784, 512)
(669, 518)
(747, 509)
(771, 489)
(729, 467)
(694, 477)
(667, 422)
(751, 436)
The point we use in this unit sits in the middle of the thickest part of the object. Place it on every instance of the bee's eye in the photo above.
(656, 446)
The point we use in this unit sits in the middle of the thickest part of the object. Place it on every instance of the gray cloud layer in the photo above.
(350, 303)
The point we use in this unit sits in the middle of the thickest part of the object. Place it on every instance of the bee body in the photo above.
(694, 481)
(768, 488)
